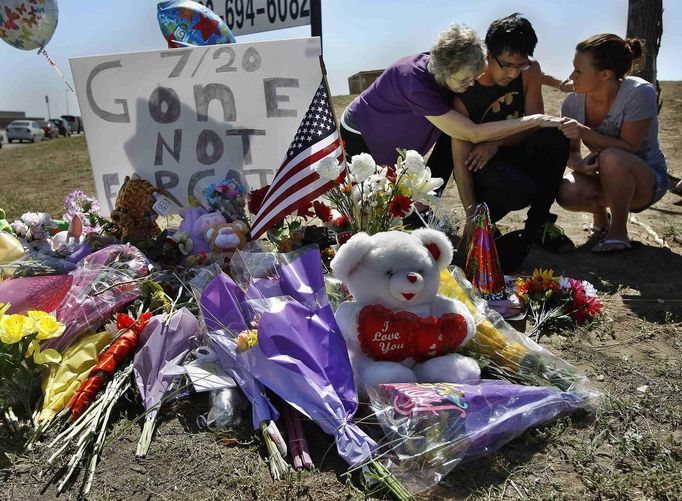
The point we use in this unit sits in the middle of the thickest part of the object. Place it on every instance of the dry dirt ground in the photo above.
(631, 448)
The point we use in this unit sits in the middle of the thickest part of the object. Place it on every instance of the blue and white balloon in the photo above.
(28, 24)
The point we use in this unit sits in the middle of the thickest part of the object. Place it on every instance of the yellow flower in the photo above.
(48, 356)
(543, 274)
(3, 309)
(247, 339)
(13, 328)
(48, 326)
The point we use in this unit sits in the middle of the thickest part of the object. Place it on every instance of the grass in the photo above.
(37, 177)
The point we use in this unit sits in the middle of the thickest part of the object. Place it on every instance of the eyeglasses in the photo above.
(508, 66)
(463, 83)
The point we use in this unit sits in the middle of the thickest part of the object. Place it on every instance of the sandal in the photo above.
(596, 233)
(613, 246)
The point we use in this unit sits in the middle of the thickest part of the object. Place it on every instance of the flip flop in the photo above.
(613, 246)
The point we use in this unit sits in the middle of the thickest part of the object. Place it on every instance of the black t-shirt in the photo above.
(492, 103)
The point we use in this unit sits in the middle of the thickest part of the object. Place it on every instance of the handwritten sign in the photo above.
(184, 118)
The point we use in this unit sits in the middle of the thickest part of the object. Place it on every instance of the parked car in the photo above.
(24, 130)
(50, 129)
(62, 125)
(3, 138)
(75, 123)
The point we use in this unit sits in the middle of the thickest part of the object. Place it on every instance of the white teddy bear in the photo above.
(397, 328)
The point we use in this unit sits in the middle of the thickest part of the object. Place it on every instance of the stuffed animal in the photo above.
(133, 212)
(4, 224)
(227, 237)
(205, 222)
(397, 328)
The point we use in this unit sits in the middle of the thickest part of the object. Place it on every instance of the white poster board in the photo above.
(184, 118)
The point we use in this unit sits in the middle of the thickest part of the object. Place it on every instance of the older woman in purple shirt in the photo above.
(410, 105)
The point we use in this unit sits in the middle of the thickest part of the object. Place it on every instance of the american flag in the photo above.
(296, 183)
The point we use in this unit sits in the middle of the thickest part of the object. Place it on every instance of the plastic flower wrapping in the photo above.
(431, 428)
(298, 351)
(557, 303)
(506, 353)
(374, 198)
(103, 283)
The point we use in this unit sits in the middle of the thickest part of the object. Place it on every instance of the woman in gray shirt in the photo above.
(616, 117)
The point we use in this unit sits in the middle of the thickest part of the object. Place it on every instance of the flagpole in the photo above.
(336, 122)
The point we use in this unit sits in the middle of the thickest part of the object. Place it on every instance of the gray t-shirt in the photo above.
(636, 100)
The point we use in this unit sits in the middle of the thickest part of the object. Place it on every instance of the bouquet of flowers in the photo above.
(229, 198)
(374, 198)
(432, 428)
(86, 208)
(22, 356)
(557, 303)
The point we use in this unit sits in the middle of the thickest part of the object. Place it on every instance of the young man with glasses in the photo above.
(523, 170)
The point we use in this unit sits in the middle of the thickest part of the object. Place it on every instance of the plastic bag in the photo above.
(431, 428)
(227, 405)
(503, 352)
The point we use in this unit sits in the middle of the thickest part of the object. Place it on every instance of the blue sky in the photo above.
(357, 35)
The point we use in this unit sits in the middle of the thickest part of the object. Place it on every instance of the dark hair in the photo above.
(611, 52)
(513, 34)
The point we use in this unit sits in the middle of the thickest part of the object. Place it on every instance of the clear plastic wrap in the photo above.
(505, 353)
(103, 283)
(431, 428)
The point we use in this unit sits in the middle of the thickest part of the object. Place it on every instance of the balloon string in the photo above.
(43, 52)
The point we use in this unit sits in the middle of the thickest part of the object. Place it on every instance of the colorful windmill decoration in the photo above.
(483, 268)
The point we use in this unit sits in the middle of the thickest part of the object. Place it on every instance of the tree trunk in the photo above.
(645, 21)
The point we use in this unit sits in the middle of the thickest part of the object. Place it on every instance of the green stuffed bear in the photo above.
(4, 224)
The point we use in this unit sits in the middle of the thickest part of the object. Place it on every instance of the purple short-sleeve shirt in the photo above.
(391, 113)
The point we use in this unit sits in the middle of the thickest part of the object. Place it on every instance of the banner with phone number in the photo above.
(255, 16)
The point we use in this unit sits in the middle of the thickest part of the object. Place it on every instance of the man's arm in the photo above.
(565, 85)
(532, 89)
(460, 172)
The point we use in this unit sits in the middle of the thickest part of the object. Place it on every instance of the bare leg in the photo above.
(627, 183)
(582, 193)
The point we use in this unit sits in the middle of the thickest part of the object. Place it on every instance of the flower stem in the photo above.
(384, 476)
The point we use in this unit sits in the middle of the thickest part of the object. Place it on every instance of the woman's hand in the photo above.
(542, 120)
(573, 129)
(588, 166)
(481, 154)
(566, 85)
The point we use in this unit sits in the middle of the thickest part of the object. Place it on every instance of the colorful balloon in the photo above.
(185, 23)
(28, 24)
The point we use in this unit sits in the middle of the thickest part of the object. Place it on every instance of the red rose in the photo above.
(399, 206)
(305, 211)
(256, 199)
(341, 223)
(322, 211)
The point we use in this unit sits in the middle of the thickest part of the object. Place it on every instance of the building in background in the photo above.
(6, 117)
(360, 81)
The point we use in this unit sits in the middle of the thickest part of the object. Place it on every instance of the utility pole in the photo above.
(316, 20)
(66, 98)
(47, 100)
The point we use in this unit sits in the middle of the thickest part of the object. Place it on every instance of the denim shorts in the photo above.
(661, 173)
